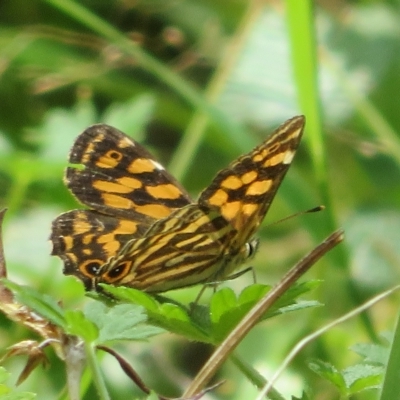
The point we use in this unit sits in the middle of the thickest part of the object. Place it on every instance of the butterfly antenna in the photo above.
(311, 210)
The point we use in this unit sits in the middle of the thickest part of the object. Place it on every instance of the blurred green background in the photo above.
(61, 72)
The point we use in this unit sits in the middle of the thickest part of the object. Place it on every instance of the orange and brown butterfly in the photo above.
(144, 231)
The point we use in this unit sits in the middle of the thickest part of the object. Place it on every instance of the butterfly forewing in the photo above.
(121, 178)
(244, 191)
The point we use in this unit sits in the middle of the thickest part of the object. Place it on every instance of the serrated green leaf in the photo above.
(222, 301)
(200, 315)
(253, 293)
(304, 396)
(288, 301)
(171, 317)
(120, 322)
(42, 304)
(173, 311)
(133, 296)
(226, 310)
(372, 352)
(301, 305)
(80, 326)
(329, 372)
(362, 377)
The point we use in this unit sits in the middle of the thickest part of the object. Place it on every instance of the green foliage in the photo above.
(120, 322)
(7, 393)
(43, 304)
(360, 377)
(225, 312)
(199, 83)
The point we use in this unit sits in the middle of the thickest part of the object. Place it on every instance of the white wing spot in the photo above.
(288, 157)
(126, 142)
(157, 165)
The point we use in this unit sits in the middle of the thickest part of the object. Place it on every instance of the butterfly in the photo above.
(144, 231)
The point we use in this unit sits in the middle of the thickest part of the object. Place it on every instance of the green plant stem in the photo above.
(303, 47)
(302, 34)
(194, 133)
(96, 373)
(390, 387)
(254, 376)
(164, 74)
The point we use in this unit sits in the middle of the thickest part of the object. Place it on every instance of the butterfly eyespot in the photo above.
(91, 268)
(115, 155)
(117, 272)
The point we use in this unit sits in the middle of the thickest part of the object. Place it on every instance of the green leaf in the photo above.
(120, 322)
(252, 292)
(226, 310)
(132, 296)
(169, 316)
(304, 396)
(42, 304)
(372, 352)
(80, 326)
(329, 372)
(6, 393)
(221, 301)
(288, 301)
(175, 319)
(362, 377)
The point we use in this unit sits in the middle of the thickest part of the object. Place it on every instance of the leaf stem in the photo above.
(194, 132)
(98, 379)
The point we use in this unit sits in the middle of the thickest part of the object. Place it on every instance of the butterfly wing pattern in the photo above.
(127, 240)
(127, 191)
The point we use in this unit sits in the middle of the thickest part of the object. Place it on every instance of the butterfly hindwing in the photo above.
(187, 248)
(86, 239)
